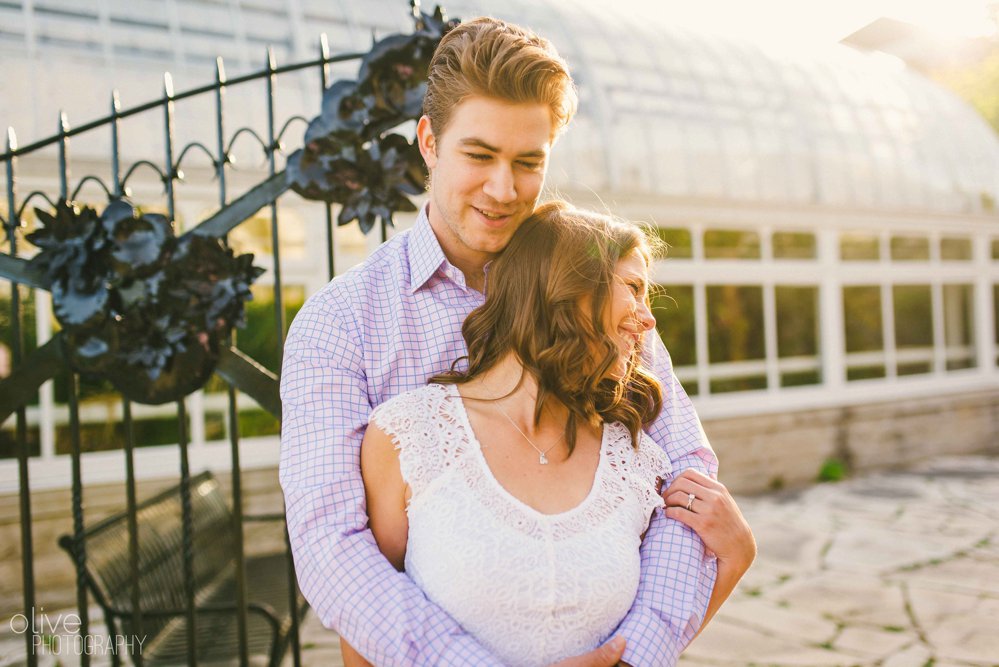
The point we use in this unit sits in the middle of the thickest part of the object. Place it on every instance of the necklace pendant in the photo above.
(543, 460)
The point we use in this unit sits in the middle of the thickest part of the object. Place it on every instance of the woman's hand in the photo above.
(714, 516)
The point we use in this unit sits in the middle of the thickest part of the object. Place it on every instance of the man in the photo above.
(497, 98)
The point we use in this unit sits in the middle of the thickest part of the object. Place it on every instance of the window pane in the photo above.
(677, 241)
(862, 324)
(9, 446)
(995, 248)
(747, 383)
(955, 248)
(673, 307)
(913, 328)
(797, 335)
(735, 334)
(731, 244)
(959, 326)
(794, 245)
(910, 248)
(858, 247)
(995, 315)
(254, 235)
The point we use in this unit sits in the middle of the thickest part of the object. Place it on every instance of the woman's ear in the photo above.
(427, 141)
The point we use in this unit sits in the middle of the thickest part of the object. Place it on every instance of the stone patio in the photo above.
(893, 569)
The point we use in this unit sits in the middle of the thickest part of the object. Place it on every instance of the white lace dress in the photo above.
(534, 588)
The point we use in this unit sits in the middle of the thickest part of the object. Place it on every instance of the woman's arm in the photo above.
(352, 658)
(385, 496)
(716, 518)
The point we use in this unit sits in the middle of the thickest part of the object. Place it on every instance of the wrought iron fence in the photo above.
(47, 361)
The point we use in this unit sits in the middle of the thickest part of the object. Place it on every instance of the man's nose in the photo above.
(500, 185)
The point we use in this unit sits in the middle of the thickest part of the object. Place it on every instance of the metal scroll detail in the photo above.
(138, 305)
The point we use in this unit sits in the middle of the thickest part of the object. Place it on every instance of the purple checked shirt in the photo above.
(381, 329)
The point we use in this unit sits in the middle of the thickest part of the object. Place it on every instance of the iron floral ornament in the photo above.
(140, 306)
(350, 156)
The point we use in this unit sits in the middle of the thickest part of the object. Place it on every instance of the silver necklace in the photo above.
(542, 459)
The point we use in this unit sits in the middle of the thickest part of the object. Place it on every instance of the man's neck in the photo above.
(471, 263)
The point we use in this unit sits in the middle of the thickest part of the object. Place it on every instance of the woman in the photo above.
(516, 493)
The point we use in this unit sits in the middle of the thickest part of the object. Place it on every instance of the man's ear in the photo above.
(428, 142)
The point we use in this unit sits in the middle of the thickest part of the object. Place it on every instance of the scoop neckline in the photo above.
(473, 440)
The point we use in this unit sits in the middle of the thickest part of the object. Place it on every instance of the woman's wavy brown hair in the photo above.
(560, 261)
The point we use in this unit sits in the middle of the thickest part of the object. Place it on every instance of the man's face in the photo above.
(487, 169)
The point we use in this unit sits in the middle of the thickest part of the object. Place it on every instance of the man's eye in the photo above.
(480, 157)
(533, 166)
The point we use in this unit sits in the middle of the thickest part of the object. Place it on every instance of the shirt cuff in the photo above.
(649, 642)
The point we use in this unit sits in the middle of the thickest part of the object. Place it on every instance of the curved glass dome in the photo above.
(667, 112)
(663, 112)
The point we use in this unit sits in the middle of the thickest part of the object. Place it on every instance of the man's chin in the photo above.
(493, 243)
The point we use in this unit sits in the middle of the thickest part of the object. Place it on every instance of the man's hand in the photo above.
(607, 655)
(713, 515)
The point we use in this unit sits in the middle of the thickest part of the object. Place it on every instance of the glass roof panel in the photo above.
(684, 114)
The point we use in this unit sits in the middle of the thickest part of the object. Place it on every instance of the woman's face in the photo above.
(628, 314)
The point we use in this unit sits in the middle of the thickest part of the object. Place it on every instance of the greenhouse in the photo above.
(831, 216)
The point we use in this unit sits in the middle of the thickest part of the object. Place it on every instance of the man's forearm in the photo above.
(728, 577)
(673, 595)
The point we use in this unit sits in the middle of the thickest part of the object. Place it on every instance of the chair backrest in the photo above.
(161, 552)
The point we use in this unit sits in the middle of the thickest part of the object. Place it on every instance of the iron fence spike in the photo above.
(167, 85)
(219, 70)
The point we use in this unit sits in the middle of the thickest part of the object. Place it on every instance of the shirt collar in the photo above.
(425, 253)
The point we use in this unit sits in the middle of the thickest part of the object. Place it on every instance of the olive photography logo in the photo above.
(59, 635)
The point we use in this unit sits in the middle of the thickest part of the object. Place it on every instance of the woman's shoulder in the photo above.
(647, 458)
(640, 469)
(417, 424)
(419, 401)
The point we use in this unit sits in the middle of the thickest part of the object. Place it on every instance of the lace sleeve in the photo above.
(649, 466)
(419, 425)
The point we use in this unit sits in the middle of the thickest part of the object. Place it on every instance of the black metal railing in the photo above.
(234, 368)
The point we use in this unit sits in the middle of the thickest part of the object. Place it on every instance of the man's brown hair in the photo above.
(493, 58)
(547, 297)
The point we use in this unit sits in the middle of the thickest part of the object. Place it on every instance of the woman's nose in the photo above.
(643, 315)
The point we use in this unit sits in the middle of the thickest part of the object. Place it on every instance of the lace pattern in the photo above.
(535, 588)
